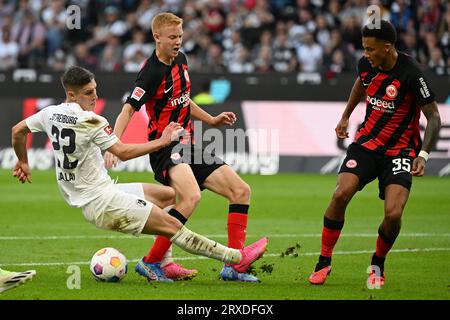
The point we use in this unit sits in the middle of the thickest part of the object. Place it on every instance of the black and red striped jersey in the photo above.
(393, 101)
(165, 91)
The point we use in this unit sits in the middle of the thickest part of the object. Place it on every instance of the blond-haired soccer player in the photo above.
(164, 86)
(78, 136)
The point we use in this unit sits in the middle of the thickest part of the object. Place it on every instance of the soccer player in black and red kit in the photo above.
(163, 85)
(388, 145)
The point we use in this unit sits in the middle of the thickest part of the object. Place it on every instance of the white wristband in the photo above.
(424, 154)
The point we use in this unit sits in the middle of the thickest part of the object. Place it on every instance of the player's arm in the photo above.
(19, 142)
(123, 119)
(144, 90)
(227, 118)
(356, 96)
(120, 126)
(431, 112)
(126, 151)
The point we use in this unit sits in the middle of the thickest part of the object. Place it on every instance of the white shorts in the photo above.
(122, 208)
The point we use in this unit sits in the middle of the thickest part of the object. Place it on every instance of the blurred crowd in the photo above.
(236, 36)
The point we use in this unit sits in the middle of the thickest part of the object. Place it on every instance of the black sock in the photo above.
(176, 214)
(379, 262)
(323, 262)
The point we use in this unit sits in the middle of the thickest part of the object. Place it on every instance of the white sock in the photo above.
(198, 244)
(168, 258)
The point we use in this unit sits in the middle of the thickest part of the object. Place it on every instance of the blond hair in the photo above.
(164, 19)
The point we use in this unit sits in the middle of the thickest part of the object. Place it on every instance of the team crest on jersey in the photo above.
(186, 75)
(137, 94)
(351, 164)
(108, 129)
(391, 91)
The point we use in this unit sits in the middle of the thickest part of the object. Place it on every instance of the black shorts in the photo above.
(368, 165)
(202, 163)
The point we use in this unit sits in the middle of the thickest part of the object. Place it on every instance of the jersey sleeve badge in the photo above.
(138, 93)
(108, 129)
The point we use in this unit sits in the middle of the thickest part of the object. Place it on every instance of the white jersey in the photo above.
(77, 137)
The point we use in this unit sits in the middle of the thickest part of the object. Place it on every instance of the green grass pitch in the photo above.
(38, 230)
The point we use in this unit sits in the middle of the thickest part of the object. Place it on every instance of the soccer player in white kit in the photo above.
(78, 136)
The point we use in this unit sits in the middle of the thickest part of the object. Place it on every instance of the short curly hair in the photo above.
(385, 32)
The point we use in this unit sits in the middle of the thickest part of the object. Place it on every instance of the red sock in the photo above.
(329, 239)
(382, 248)
(158, 250)
(237, 225)
(330, 235)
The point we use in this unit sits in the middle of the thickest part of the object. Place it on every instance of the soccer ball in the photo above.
(109, 265)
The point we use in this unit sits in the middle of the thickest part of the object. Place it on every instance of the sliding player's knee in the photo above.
(162, 196)
(173, 224)
(162, 223)
(169, 198)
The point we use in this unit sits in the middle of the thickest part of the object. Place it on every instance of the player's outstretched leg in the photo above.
(200, 245)
(9, 280)
(194, 243)
(162, 223)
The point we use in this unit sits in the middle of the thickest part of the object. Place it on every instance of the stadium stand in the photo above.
(235, 36)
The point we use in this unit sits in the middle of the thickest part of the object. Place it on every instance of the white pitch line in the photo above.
(201, 258)
(305, 235)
